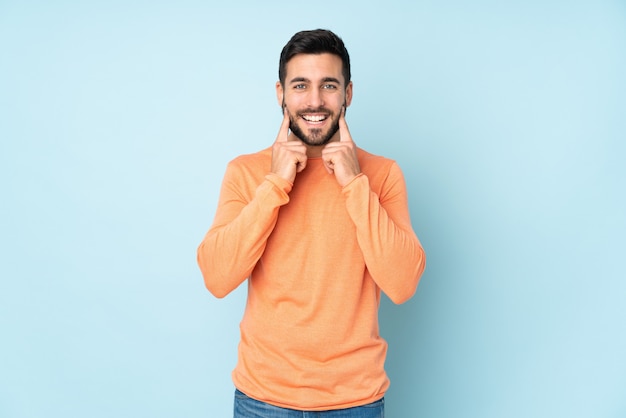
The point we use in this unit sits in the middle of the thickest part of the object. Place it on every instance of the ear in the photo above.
(280, 94)
(349, 94)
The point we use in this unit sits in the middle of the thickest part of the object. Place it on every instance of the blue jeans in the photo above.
(246, 407)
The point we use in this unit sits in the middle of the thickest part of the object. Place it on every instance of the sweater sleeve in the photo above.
(243, 222)
(392, 252)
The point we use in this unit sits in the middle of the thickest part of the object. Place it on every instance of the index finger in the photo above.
(283, 133)
(344, 132)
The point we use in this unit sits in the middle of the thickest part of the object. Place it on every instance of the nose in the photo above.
(315, 98)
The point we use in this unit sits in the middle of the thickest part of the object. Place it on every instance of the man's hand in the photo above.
(340, 157)
(288, 157)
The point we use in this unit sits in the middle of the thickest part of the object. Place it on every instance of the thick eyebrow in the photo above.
(331, 80)
(306, 80)
(299, 80)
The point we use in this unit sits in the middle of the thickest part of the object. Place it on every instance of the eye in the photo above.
(329, 87)
(299, 86)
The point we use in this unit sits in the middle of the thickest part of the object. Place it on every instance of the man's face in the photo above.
(314, 95)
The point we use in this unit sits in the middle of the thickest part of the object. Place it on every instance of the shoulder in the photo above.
(258, 157)
(369, 161)
(383, 173)
(249, 169)
(249, 163)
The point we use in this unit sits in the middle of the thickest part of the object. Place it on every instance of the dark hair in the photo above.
(316, 41)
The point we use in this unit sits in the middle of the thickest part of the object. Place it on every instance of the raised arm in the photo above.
(247, 212)
(244, 220)
(392, 252)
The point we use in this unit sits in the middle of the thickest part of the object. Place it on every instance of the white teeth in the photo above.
(311, 118)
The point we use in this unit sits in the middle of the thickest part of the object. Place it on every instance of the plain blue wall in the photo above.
(117, 120)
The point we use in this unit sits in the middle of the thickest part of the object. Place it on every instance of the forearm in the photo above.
(392, 252)
(237, 239)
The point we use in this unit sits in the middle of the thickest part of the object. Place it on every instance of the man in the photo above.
(318, 227)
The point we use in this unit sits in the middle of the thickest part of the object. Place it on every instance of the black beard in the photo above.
(315, 137)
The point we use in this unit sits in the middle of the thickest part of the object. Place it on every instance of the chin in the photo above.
(315, 142)
(317, 139)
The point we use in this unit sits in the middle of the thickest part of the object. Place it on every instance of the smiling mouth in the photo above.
(314, 118)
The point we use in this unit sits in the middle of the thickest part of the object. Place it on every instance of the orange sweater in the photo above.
(316, 256)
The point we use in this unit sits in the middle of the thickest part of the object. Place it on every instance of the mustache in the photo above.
(315, 110)
(312, 110)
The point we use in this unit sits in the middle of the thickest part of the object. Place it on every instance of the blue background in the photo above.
(117, 120)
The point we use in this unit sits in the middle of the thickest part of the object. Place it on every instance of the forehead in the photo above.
(314, 67)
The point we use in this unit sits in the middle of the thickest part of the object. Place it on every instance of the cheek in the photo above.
(287, 102)
(292, 107)
(337, 101)
(291, 100)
